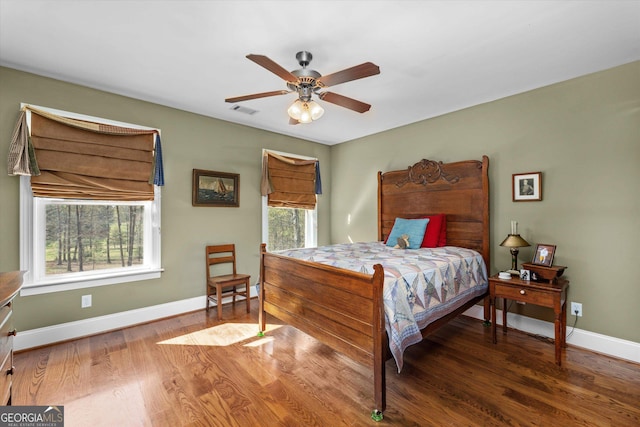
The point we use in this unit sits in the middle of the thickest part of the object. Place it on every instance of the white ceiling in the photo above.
(435, 56)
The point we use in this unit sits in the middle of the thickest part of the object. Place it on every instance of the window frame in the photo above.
(33, 236)
(311, 216)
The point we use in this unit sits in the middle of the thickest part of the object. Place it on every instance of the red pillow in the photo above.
(442, 239)
(436, 234)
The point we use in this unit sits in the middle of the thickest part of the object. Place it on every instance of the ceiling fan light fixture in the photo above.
(305, 112)
(305, 117)
(295, 110)
(316, 110)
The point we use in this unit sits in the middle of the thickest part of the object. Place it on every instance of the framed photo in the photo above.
(527, 187)
(525, 275)
(544, 255)
(212, 188)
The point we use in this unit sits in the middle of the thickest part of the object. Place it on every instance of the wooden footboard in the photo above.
(341, 308)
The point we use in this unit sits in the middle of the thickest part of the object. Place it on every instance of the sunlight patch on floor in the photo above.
(91, 409)
(220, 335)
(258, 343)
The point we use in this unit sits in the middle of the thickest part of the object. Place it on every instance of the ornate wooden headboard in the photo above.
(459, 189)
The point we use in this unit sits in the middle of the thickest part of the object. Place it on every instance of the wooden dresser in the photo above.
(10, 284)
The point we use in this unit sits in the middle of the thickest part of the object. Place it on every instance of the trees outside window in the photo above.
(85, 237)
(286, 228)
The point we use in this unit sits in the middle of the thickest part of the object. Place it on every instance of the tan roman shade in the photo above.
(100, 164)
(289, 182)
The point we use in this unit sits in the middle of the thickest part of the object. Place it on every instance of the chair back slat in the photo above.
(221, 260)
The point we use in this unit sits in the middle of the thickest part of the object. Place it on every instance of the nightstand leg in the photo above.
(504, 315)
(563, 319)
(494, 321)
(558, 338)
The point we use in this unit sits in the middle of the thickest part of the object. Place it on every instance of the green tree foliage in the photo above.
(286, 228)
(81, 237)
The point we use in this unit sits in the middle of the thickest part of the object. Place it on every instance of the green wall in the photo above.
(189, 141)
(583, 135)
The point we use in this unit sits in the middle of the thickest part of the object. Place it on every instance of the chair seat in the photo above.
(229, 279)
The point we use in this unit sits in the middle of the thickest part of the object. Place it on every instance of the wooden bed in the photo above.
(344, 309)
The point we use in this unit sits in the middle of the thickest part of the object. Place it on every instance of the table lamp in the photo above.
(514, 242)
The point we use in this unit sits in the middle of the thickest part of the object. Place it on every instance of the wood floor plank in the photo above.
(192, 370)
(33, 385)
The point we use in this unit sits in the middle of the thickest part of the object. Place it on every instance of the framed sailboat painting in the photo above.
(212, 188)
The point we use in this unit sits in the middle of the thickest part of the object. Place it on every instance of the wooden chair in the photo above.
(230, 284)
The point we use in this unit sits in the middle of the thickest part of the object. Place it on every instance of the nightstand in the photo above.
(553, 295)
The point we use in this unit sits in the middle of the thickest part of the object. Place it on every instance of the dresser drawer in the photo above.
(5, 312)
(6, 379)
(524, 294)
(6, 326)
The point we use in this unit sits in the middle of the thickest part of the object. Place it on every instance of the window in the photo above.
(77, 243)
(288, 227)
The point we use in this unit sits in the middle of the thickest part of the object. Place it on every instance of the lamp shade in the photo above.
(514, 241)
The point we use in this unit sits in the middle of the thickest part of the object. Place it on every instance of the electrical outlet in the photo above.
(86, 301)
(576, 309)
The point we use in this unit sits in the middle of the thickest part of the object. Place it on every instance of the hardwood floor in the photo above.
(192, 370)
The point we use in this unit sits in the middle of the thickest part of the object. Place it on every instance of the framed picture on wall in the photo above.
(212, 188)
(526, 187)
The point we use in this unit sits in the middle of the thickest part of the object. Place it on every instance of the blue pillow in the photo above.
(414, 228)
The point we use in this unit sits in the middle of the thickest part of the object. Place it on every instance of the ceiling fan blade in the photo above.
(354, 73)
(276, 69)
(257, 95)
(345, 102)
(293, 121)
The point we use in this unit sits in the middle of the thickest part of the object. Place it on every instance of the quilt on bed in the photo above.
(420, 285)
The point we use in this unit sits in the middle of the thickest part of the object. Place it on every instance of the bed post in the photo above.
(486, 232)
(486, 236)
(261, 312)
(379, 344)
(379, 205)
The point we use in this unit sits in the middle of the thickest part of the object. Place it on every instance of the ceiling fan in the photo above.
(306, 82)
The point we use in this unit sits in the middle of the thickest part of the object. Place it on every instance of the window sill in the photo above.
(103, 280)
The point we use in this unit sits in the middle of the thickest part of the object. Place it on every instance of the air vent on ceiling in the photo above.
(245, 110)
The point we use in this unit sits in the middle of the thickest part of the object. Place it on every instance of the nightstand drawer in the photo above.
(524, 294)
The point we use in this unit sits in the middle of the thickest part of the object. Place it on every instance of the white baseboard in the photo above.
(81, 328)
(604, 344)
(95, 325)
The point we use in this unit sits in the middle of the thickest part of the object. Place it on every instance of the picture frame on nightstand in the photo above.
(544, 255)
